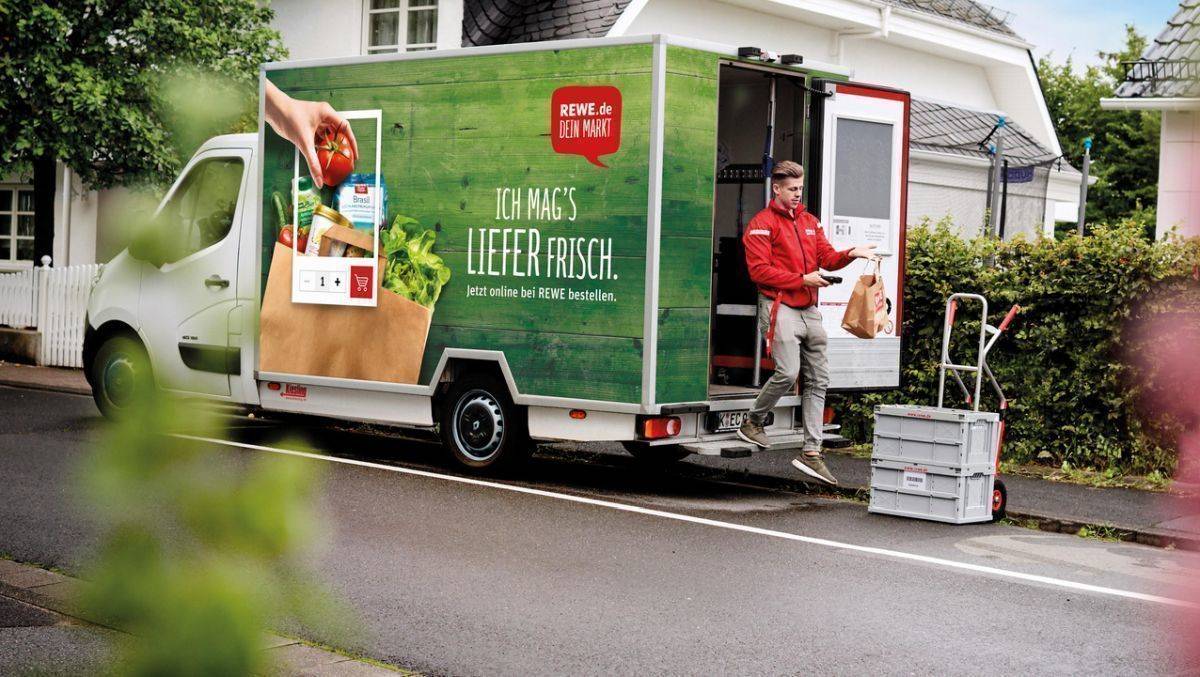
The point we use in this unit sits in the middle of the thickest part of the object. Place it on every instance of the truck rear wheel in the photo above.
(481, 427)
(121, 375)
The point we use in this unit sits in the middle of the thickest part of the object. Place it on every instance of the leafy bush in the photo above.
(1064, 362)
(201, 551)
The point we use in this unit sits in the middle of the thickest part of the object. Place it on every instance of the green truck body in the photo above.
(467, 151)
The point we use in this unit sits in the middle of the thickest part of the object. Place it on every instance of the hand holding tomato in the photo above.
(303, 123)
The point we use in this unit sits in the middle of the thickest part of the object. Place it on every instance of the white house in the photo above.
(1167, 79)
(960, 59)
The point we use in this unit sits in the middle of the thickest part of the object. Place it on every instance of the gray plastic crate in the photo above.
(950, 438)
(931, 493)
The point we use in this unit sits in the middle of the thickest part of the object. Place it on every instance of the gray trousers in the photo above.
(798, 347)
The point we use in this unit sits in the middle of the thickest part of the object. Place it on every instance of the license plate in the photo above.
(725, 421)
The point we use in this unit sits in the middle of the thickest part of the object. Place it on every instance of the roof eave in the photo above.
(1174, 103)
(956, 24)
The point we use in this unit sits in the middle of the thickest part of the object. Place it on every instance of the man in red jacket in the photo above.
(785, 250)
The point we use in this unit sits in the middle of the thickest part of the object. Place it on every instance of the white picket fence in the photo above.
(53, 301)
(18, 299)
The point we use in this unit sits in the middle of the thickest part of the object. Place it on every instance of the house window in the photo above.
(16, 223)
(401, 25)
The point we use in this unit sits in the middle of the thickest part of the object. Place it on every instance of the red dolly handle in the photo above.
(1012, 312)
(953, 312)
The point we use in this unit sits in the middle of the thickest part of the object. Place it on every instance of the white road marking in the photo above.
(883, 552)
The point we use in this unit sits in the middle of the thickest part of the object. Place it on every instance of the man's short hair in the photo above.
(786, 170)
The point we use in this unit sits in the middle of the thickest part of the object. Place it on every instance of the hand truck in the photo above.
(980, 369)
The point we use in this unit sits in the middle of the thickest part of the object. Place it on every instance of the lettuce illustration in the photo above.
(412, 269)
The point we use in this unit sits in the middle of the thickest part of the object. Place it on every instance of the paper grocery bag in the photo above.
(384, 343)
(866, 312)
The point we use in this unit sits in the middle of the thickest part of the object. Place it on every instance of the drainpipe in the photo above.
(885, 15)
(66, 214)
(1083, 186)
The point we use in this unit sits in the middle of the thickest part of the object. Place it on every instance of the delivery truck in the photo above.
(535, 242)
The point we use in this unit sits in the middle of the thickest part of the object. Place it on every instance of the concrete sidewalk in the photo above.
(44, 631)
(44, 378)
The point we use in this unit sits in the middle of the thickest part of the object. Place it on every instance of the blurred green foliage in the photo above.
(202, 547)
(1064, 363)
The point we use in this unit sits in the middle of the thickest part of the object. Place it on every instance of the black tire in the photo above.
(121, 376)
(481, 427)
(999, 500)
(665, 454)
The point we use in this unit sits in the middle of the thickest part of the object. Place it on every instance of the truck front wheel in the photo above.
(121, 375)
(481, 426)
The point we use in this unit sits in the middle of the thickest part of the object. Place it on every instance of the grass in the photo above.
(39, 565)
(1024, 523)
(353, 656)
(1104, 532)
(1111, 478)
(857, 451)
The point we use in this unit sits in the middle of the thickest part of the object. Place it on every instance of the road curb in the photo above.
(58, 593)
(1152, 537)
(48, 387)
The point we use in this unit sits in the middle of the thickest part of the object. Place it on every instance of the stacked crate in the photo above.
(934, 463)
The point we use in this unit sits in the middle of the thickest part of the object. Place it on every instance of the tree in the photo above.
(83, 81)
(1125, 143)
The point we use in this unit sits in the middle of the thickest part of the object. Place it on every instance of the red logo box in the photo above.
(586, 121)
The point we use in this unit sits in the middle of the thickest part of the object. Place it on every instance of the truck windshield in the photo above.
(200, 212)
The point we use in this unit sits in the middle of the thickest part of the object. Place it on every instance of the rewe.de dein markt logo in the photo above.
(586, 121)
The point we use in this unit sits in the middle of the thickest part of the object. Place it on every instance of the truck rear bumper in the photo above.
(579, 425)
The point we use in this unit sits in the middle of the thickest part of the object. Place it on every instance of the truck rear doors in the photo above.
(862, 171)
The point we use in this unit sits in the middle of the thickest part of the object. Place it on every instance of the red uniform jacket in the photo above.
(781, 250)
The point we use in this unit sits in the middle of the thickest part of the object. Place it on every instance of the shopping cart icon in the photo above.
(362, 278)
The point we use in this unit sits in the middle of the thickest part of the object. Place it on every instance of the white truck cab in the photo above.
(177, 294)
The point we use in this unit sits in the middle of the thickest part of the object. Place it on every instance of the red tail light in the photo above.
(658, 427)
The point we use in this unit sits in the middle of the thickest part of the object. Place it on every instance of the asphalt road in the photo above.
(578, 567)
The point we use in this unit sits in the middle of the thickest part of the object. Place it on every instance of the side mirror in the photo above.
(151, 244)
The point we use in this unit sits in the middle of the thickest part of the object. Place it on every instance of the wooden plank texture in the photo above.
(685, 264)
(554, 365)
(682, 355)
(458, 130)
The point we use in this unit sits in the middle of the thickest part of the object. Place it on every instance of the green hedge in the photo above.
(1064, 362)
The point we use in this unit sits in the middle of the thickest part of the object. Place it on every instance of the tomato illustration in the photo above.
(334, 156)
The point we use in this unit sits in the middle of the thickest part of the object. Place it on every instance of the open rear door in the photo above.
(859, 190)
